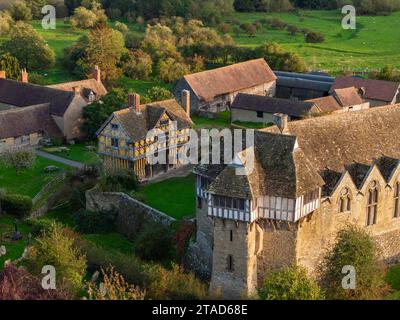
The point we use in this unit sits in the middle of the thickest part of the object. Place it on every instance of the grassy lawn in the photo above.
(142, 86)
(393, 278)
(77, 152)
(371, 45)
(14, 248)
(175, 197)
(29, 182)
(222, 120)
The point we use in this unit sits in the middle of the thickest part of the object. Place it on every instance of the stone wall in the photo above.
(132, 215)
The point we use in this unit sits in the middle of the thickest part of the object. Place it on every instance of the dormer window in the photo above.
(372, 207)
(345, 201)
(92, 96)
(114, 126)
(396, 210)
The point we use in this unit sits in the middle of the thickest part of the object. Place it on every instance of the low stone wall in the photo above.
(132, 215)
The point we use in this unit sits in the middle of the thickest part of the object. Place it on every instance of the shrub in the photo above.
(94, 222)
(17, 284)
(121, 27)
(57, 247)
(175, 284)
(118, 180)
(314, 37)
(291, 283)
(114, 287)
(155, 243)
(354, 247)
(16, 204)
(38, 226)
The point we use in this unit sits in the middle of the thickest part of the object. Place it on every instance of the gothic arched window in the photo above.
(345, 201)
(372, 207)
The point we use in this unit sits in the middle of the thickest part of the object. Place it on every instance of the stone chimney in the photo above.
(134, 102)
(282, 121)
(77, 90)
(97, 73)
(185, 97)
(24, 76)
(3, 74)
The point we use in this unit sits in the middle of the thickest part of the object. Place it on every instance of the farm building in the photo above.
(214, 90)
(253, 108)
(377, 92)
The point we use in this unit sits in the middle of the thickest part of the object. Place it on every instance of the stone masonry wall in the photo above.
(132, 215)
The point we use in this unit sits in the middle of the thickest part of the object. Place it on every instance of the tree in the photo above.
(114, 287)
(36, 7)
(28, 47)
(314, 37)
(10, 65)
(97, 113)
(105, 48)
(121, 27)
(6, 22)
(20, 11)
(158, 94)
(18, 159)
(354, 247)
(291, 283)
(57, 247)
(89, 17)
(171, 70)
(139, 65)
(293, 30)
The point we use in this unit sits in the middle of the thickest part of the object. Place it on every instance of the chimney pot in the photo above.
(97, 73)
(3, 74)
(185, 96)
(24, 76)
(77, 90)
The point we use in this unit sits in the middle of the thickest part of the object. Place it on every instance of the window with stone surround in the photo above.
(396, 209)
(372, 207)
(345, 201)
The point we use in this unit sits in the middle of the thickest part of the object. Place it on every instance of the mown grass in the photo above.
(175, 197)
(221, 120)
(30, 181)
(77, 152)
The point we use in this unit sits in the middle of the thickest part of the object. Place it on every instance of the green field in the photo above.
(29, 182)
(175, 197)
(77, 152)
(374, 44)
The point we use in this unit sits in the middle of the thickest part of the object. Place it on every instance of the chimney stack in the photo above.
(134, 102)
(24, 76)
(97, 73)
(282, 121)
(3, 74)
(185, 96)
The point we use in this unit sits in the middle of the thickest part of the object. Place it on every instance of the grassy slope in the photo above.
(30, 181)
(175, 197)
(77, 153)
(372, 45)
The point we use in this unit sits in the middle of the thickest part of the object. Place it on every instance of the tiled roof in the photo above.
(212, 83)
(21, 94)
(24, 121)
(96, 86)
(348, 97)
(326, 104)
(137, 125)
(374, 89)
(272, 105)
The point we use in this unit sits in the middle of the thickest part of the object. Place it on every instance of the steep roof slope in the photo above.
(24, 121)
(21, 94)
(96, 86)
(212, 83)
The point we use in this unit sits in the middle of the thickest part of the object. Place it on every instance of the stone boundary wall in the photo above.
(132, 215)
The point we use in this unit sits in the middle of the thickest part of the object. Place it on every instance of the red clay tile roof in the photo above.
(97, 87)
(348, 97)
(209, 84)
(326, 104)
(24, 121)
(374, 89)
